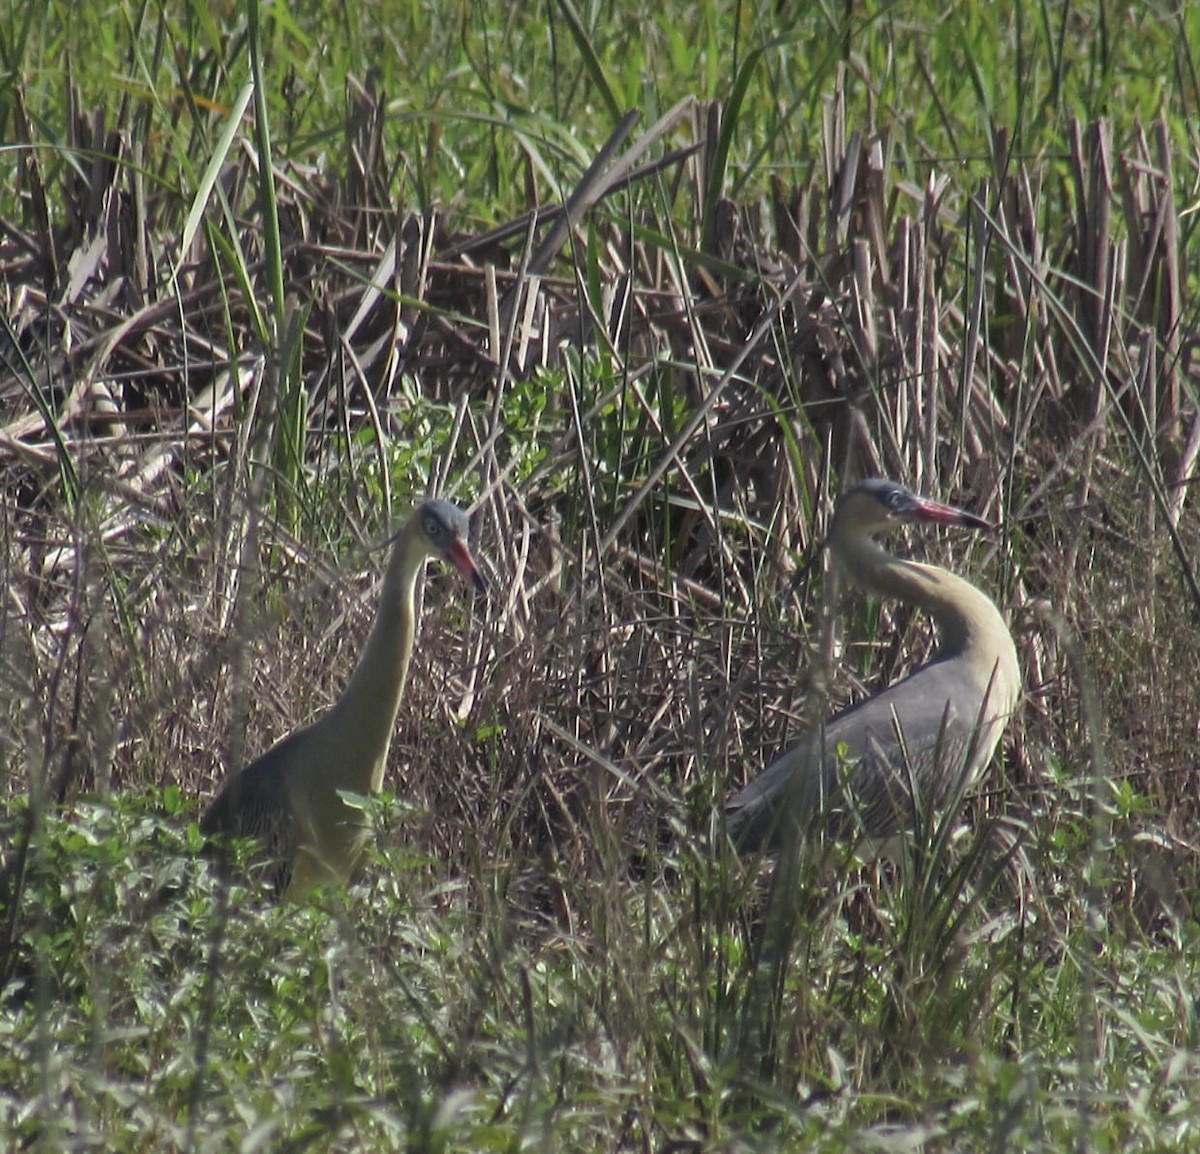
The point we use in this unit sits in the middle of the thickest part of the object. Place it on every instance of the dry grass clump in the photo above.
(679, 415)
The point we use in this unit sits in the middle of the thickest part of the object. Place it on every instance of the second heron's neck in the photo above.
(967, 619)
(364, 717)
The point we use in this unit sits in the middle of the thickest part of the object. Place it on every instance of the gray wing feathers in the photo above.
(876, 765)
(255, 804)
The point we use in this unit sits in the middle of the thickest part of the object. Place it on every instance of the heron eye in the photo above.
(433, 528)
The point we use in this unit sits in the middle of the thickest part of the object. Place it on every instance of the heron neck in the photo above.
(967, 619)
(360, 724)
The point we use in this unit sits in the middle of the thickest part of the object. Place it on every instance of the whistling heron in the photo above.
(290, 799)
(917, 744)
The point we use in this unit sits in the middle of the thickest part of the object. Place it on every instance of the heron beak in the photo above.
(459, 556)
(927, 510)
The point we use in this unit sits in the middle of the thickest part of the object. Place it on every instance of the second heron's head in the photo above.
(877, 504)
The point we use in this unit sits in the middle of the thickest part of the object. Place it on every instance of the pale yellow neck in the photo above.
(967, 619)
(358, 729)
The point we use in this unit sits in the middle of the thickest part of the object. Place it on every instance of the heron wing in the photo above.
(255, 803)
(913, 745)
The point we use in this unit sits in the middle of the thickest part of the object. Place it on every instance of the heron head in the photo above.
(877, 504)
(445, 530)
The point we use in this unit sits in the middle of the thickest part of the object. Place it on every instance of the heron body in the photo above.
(917, 744)
(297, 799)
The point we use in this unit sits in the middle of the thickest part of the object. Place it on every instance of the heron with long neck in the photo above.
(297, 799)
(916, 744)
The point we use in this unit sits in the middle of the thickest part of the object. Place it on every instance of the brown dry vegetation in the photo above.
(797, 343)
